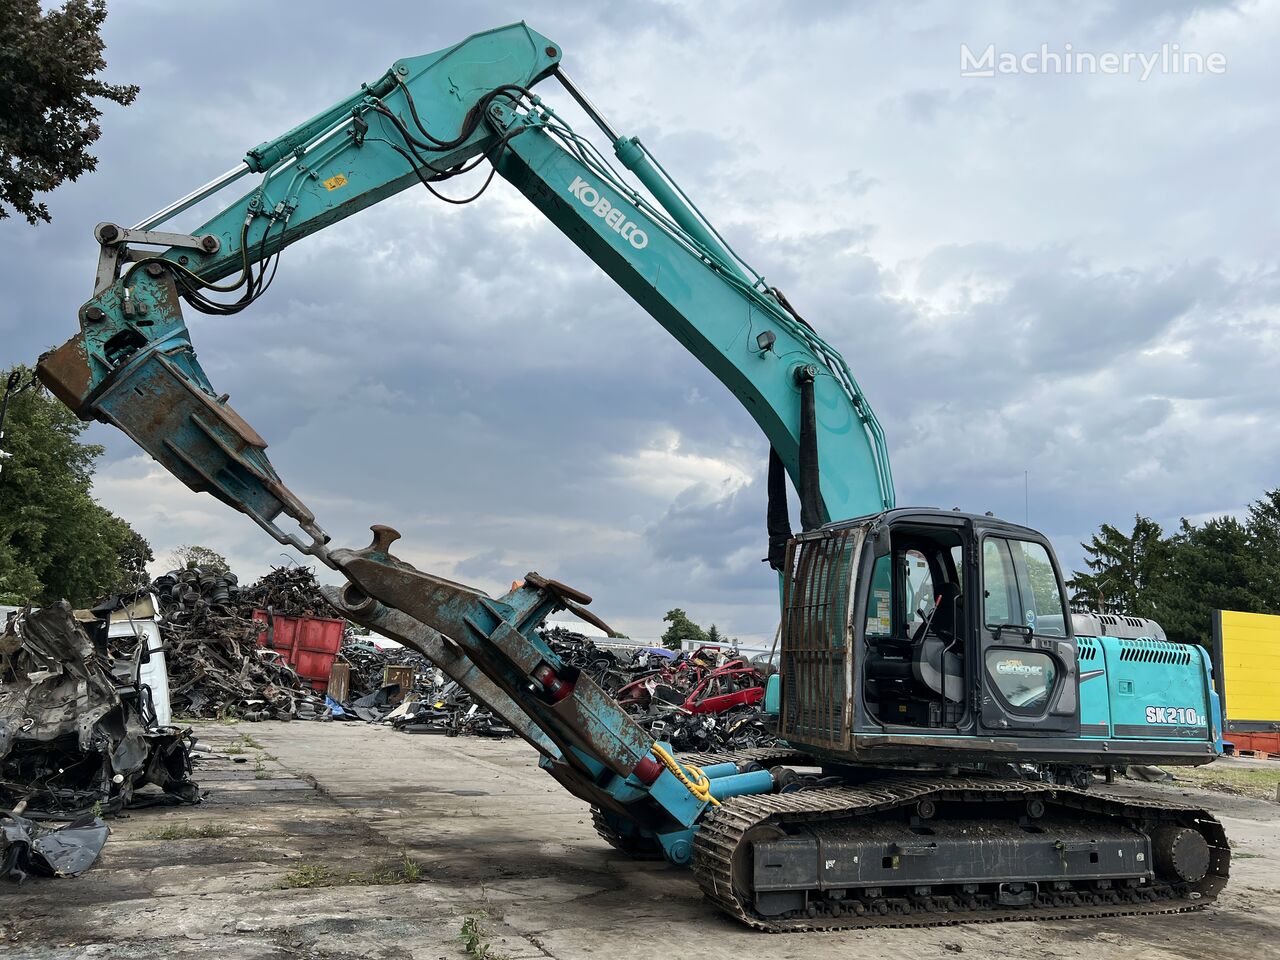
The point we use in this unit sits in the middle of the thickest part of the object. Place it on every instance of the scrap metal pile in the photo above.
(369, 663)
(705, 700)
(216, 668)
(432, 703)
(74, 731)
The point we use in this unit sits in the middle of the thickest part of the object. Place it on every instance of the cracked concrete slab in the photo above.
(345, 806)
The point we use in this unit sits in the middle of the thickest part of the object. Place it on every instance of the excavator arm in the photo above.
(425, 120)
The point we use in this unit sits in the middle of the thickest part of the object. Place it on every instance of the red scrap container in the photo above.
(308, 644)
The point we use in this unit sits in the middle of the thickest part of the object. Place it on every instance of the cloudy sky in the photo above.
(1072, 277)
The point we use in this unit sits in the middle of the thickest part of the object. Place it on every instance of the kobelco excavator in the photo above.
(928, 659)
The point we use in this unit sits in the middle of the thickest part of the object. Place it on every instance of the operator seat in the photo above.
(936, 660)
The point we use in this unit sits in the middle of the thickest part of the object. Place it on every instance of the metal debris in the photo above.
(73, 733)
(216, 668)
(28, 848)
(705, 700)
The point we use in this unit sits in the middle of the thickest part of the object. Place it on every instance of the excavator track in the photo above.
(766, 757)
(723, 855)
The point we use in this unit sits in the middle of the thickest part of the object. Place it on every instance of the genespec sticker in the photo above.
(1016, 668)
(1182, 716)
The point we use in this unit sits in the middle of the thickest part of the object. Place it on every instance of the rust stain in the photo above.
(65, 371)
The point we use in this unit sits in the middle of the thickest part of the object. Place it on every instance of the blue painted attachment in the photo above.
(720, 770)
(742, 784)
(677, 846)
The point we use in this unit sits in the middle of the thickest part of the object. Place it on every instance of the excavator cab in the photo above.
(924, 622)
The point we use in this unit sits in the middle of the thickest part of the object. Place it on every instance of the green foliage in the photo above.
(1122, 568)
(681, 629)
(191, 556)
(56, 541)
(1210, 567)
(474, 939)
(1263, 524)
(134, 554)
(1180, 579)
(187, 831)
(48, 120)
(307, 875)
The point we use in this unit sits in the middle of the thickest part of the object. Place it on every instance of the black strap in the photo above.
(778, 521)
(812, 509)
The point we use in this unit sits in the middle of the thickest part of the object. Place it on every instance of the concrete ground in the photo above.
(347, 840)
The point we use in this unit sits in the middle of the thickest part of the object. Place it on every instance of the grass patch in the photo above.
(474, 939)
(1258, 781)
(404, 870)
(307, 875)
(233, 748)
(187, 831)
(409, 869)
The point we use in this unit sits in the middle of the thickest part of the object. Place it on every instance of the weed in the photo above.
(474, 939)
(185, 831)
(233, 748)
(96, 809)
(410, 870)
(307, 875)
(385, 875)
(248, 741)
(260, 771)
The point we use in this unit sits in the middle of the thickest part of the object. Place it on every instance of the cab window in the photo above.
(1044, 612)
(1020, 587)
(1000, 591)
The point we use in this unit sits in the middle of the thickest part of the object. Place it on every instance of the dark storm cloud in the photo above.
(1075, 280)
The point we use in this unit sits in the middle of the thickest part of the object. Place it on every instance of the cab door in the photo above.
(1028, 682)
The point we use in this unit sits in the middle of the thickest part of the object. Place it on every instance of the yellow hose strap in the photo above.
(692, 777)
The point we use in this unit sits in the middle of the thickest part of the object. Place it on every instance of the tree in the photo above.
(134, 555)
(1122, 569)
(1263, 524)
(1179, 580)
(56, 541)
(48, 119)
(713, 634)
(681, 629)
(1211, 567)
(190, 556)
